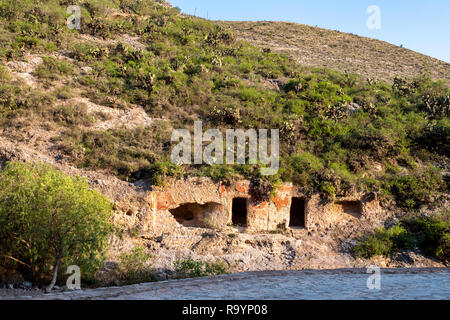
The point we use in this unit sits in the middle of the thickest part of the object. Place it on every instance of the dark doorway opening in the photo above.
(184, 214)
(297, 219)
(239, 212)
(194, 214)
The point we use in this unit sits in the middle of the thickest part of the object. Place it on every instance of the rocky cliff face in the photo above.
(149, 219)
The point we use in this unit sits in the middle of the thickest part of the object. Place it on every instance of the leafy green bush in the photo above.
(49, 220)
(302, 169)
(72, 115)
(383, 242)
(52, 69)
(134, 266)
(420, 187)
(197, 268)
(160, 170)
(435, 137)
(64, 93)
(430, 234)
(219, 172)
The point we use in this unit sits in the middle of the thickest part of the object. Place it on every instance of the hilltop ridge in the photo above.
(318, 47)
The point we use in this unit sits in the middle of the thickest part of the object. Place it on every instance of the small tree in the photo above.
(48, 219)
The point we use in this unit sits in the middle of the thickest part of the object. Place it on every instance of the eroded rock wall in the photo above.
(214, 206)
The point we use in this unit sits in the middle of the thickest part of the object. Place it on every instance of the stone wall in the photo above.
(202, 203)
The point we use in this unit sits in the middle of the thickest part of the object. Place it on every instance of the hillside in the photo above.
(108, 96)
(102, 102)
(317, 47)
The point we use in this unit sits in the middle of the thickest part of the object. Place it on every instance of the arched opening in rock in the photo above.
(197, 215)
(353, 208)
(239, 212)
(297, 215)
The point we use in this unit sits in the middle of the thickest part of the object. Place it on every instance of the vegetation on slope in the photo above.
(49, 221)
(340, 133)
(197, 268)
(430, 234)
(313, 46)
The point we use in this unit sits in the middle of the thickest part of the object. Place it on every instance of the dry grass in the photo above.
(316, 47)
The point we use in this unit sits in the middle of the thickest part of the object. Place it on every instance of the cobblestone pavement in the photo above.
(278, 285)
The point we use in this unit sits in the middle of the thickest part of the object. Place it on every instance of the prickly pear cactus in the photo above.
(404, 87)
(437, 106)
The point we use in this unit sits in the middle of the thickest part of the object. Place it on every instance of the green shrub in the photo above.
(53, 69)
(435, 137)
(89, 51)
(302, 169)
(64, 93)
(49, 220)
(134, 266)
(420, 187)
(328, 189)
(383, 242)
(219, 172)
(197, 268)
(430, 234)
(160, 170)
(72, 115)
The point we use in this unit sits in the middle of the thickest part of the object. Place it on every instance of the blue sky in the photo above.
(419, 25)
